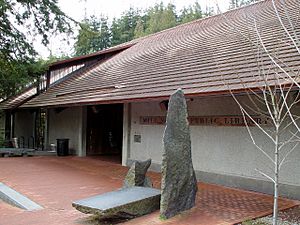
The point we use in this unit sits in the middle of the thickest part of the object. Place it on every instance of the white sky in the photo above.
(110, 8)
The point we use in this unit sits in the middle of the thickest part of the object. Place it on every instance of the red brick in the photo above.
(54, 182)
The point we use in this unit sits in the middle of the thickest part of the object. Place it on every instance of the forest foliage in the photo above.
(239, 3)
(98, 33)
(20, 19)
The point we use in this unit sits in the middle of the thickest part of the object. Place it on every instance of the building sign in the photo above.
(209, 120)
(152, 120)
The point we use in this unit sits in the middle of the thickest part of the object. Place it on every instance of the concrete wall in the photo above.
(24, 125)
(67, 123)
(221, 154)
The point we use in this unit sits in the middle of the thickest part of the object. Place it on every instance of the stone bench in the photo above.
(6, 152)
(127, 202)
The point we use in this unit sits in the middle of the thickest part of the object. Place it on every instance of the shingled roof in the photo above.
(19, 99)
(198, 57)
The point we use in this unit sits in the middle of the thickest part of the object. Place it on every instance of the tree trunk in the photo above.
(275, 206)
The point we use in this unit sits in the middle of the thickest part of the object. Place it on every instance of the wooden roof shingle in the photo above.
(199, 57)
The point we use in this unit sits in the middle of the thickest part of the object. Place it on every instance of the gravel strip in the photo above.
(287, 217)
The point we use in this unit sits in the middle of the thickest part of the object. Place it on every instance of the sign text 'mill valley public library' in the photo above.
(209, 120)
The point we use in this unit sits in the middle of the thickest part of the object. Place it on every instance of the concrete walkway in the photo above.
(54, 182)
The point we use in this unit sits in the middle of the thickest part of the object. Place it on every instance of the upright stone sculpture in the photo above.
(136, 175)
(179, 184)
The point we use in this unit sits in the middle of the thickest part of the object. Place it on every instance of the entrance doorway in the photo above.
(105, 130)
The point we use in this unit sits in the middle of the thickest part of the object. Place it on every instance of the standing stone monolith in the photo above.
(179, 184)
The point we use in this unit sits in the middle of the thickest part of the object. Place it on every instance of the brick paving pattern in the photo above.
(54, 182)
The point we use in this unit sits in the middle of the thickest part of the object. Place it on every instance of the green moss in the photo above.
(162, 217)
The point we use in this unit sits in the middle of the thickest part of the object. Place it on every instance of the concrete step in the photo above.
(14, 198)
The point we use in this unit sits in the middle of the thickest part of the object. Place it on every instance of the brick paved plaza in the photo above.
(54, 182)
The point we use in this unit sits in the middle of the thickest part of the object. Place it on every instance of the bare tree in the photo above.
(273, 93)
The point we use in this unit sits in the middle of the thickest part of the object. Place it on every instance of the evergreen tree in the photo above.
(248, 2)
(94, 35)
(209, 11)
(88, 37)
(169, 17)
(105, 41)
(161, 18)
(235, 4)
(16, 75)
(126, 26)
(115, 31)
(191, 13)
(238, 3)
(155, 17)
(186, 15)
(139, 30)
(122, 30)
(18, 20)
(197, 10)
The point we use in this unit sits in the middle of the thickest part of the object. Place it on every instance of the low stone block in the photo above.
(136, 175)
(127, 202)
(10, 152)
